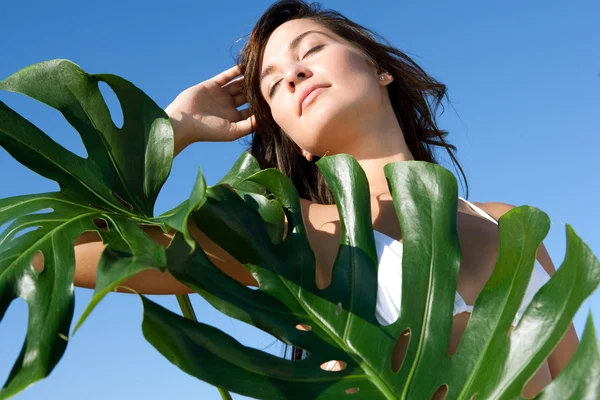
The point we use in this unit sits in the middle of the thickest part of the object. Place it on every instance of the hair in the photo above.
(415, 97)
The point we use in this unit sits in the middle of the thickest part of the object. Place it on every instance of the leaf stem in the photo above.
(188, 311)
(225, 394)
(186, 307)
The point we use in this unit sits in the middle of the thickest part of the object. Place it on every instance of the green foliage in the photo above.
(117, 183)
(244, 214)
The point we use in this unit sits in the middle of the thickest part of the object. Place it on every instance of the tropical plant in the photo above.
(244, 213)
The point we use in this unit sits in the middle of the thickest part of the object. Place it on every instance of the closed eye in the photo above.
(272, 91)
(314, 49)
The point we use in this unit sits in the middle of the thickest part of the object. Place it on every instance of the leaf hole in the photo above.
(6, 225)
(37, 261)
(334, 365)
(287, 226)
(43, 211)
(112, 102)
(338, 308)
(399, 351)
(440, 393)
(123, 202)
(101, 224)
(304, 327)
(352, 390)
(22, 231)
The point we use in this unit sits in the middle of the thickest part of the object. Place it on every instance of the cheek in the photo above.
(291, 127)
(282, 116)
(351, 66)
(279, 115)
(284, 110)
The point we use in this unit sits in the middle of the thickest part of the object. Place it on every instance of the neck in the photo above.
(373, 167)
(378, 142)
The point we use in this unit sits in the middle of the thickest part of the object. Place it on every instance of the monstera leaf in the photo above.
(489, 364)
(113, 191)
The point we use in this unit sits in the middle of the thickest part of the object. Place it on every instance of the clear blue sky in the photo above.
(523, 78)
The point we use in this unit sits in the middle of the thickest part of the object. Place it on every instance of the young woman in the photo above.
(318, 83)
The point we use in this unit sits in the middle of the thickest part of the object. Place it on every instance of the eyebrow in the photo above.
(292, 46)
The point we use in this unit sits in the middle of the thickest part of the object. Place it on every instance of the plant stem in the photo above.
(188, 311)
(186, 306)
(225, 394)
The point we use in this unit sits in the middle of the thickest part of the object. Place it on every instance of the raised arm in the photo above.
(204, 112)
(89, 247)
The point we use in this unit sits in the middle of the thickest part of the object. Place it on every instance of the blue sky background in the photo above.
(523, 78)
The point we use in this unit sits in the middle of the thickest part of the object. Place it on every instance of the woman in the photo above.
(318, 83)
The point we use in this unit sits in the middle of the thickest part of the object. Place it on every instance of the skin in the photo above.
(354, 115)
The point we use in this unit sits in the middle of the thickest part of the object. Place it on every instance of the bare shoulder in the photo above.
(495, 208)
(318, 215)
(568, 344)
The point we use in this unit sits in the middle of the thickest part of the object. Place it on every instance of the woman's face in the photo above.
(333, 115)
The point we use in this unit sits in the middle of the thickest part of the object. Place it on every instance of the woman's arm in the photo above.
(89, 247)
(203, 112)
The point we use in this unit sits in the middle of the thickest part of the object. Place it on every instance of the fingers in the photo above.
(239, 100)
(227, 75)
(244, 127)
(234, 87)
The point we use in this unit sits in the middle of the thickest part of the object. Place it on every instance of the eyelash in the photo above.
(272, 91)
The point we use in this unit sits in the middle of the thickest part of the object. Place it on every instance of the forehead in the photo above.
(281, 37)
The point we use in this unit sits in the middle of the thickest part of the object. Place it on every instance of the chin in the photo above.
(332, 127)
(327, 114)
(330, 123)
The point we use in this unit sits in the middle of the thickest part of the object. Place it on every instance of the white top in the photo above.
(389, 277)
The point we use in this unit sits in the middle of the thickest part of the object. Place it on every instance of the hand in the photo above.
(208, 111)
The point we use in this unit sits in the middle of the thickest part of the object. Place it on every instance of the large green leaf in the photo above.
(489, 364)
(116, 185)
(125, 166)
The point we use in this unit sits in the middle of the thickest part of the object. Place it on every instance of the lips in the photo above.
(308, 94)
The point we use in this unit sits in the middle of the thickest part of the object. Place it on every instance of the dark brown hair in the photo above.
(414, 95)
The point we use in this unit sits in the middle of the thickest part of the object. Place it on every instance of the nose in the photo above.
(294, 74)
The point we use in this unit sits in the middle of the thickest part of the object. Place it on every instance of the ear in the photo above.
(385, 78)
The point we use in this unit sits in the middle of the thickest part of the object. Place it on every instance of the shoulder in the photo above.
(495, 208)
(568, 344)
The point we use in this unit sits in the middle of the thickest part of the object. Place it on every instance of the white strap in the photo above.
(479, 210)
